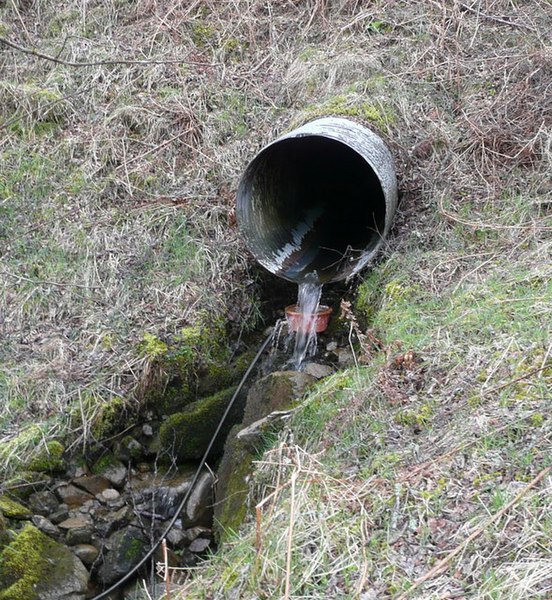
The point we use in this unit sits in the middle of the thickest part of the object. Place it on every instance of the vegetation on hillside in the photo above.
(117, 177)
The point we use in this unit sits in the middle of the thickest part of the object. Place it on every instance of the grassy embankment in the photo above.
(116, 184)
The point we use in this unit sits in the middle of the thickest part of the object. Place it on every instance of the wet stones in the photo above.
(43, 503)
(106, 529)
(125, 549)
(72, 495)
(93, 484)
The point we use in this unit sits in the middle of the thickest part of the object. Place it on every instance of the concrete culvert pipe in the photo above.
(316, 204)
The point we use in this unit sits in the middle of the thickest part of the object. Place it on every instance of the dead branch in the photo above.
(68, 63)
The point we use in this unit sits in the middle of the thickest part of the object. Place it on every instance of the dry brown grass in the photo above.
(106, 167)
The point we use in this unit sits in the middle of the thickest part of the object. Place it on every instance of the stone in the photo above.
(87, 553)
(45, 525)
(252, 435)
(318, 370)
(331, 346)
(345, 357)
(278, 391)
(72, 496)
(232, 489)
(93, 484)
(199, 508)
(39, 568)
(60, 514)
(112, 469)
(75, 522)
(78, 530)
(193, 533)
(147, 430)
(128, 449)
(106, 521)
(199, 545)
(110, 495)
(78, 536)
(176, 538)
(43, 503)
(89, 507)
(126, 548)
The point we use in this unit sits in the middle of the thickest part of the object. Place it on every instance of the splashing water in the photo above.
(305, 338)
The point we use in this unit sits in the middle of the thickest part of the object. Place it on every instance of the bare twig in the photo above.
(48, 282)
(69, 63)
(502, 20)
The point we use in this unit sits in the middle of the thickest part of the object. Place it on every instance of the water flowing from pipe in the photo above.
(308, 301)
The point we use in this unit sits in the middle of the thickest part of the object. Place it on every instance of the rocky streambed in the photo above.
(75, 526)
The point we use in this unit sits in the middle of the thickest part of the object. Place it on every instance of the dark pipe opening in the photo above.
(310, 207)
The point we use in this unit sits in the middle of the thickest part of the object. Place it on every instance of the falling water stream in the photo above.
(305, 338)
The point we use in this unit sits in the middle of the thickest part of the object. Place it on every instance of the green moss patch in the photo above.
(33, 563)
(232, 487)
(353, 106)
(107, 461)
(48, 458)
(186, 434)
(12, 509)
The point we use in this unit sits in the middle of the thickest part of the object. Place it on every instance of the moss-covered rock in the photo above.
(105, 462)
(128, 449)
(231, 491)
(13, 510)
(278, 391)
(35, 567)
(185, 435)
(48, 458)
(5, 533)
(126, 548)
(172, 398)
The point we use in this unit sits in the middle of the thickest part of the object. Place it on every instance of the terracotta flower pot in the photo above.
(297, 321)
